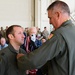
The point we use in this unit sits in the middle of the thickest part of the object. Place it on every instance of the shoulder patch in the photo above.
(51, 35)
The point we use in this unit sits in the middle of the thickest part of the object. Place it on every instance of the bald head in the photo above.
(32, 30)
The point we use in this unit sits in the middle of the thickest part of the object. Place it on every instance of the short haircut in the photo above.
(44, 27)
(10, 30)
(59, 5)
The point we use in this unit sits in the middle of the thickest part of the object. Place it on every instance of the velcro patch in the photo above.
(51, 35)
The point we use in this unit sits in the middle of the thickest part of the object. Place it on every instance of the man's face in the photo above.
(53, 18)
(33, 31)
(18, 36)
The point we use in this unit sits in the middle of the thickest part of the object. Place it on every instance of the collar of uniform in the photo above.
(12, 49)
(68, 22)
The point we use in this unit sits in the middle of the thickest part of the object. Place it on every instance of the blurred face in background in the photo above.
(3, 41)
(32, 33)
(32, 30)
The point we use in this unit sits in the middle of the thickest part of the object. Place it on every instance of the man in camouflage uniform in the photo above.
(56, 55)
(8, 62)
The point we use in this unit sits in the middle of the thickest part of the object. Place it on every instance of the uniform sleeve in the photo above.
(2, 66)
(36, 59)
(44, 69)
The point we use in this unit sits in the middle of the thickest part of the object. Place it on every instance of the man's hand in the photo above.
(19, 55)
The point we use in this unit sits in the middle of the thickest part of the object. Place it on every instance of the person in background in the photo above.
(26, 30)
(8, 62)
(57, 55)
(39, 33)
(3, 43)
(32, 44)
(43, 40)
(2, 31)
(5, 34)
(45, 33)
(32, 41)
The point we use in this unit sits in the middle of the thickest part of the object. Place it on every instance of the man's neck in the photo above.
(15, 46)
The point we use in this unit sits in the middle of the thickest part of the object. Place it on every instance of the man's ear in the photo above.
(10, 36)
(58, 14)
